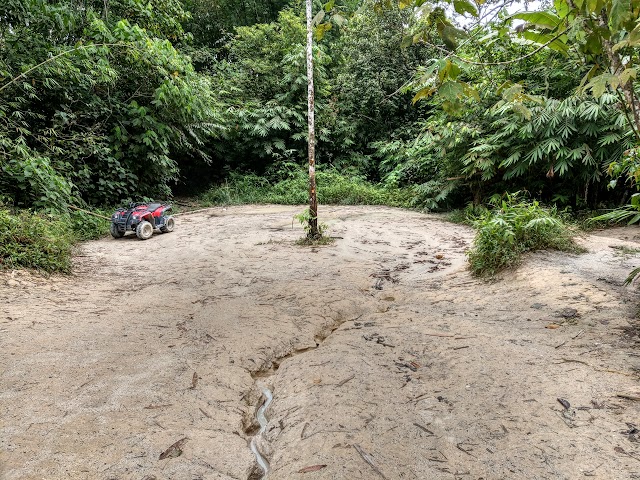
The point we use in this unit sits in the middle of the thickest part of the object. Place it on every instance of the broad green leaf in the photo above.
(402, 4)
(598, 85)
(540, 19)
(329, 5)
(451, 90)
(619, 13)
(593, 44)
(321, 29)
(450, 35)
(594, 6)
(465, 6)
(317, 20)
(590, 74)
(627, 74)
(453, 70)
(563, 8)
(338, 19)
(423, 93)
(469, 91)
(521, 110)
(632, 40)
(544, 38)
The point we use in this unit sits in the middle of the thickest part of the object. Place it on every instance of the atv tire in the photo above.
(115, 233)
(168, 226)
(144, 230)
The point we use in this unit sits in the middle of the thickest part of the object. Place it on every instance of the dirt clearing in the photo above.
(385, 358)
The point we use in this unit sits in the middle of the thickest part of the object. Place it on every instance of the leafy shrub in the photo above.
(467, 216)
(512, 228)
(34, 240)
(88, 227)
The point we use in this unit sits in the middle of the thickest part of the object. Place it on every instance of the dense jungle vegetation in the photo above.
(432, 105)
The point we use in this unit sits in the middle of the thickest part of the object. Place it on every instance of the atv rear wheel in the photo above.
(168, 226)
(144, 230)
(115, 233)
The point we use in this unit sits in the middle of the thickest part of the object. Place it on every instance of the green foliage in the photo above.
(95, 102)
(34, 240)
(571, 138)
(628, 213)
(320, 238)
(44, 241)
(89, 227)
(468, 215)
(333, 188)
(512, 228)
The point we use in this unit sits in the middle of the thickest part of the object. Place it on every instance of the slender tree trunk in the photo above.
(617, 67)
(313, 199)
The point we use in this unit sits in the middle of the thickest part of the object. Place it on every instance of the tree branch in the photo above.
(506, 62)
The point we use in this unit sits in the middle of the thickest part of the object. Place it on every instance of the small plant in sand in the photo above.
(320, 238)
(513, 227)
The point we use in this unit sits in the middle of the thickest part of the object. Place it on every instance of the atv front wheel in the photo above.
(115, 233)
(168, 226)
(144, 230)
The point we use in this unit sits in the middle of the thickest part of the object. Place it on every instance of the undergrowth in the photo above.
(88, 227)
(321, 237)
(44, 241)
(333, 188)
(34, 240)
(512, 228)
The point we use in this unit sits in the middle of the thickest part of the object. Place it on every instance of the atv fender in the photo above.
(149, 218)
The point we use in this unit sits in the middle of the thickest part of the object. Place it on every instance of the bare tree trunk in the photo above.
(313, 199)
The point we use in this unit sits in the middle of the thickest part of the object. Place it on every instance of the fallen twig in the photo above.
(367, 458)
(174, 450)
(346, 380)
(463, 450)
(424, 429)
(312, 468)
(628, 397)
(570, 360)
(153, 407)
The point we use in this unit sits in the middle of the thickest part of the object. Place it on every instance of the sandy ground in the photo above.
(386, 359)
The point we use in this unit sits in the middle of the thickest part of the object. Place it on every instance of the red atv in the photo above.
(142, 218)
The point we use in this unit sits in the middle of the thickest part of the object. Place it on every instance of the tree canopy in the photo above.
(456, 101)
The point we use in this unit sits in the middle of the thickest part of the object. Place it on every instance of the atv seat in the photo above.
(153, 206)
